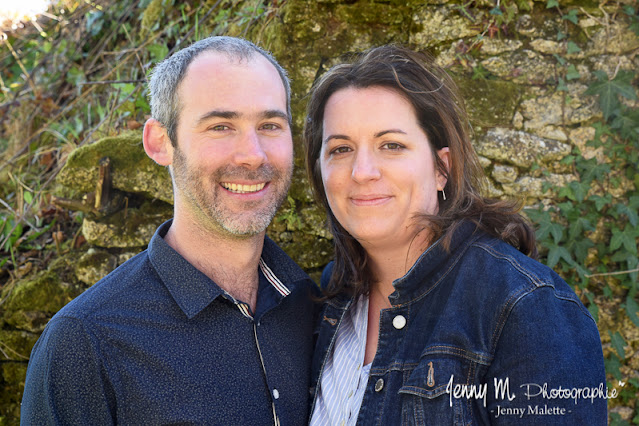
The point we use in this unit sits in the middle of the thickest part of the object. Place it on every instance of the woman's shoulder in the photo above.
(499, 257)
(326, 275)
(514, 275)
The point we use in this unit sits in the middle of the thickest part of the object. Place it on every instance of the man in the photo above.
(211, 324)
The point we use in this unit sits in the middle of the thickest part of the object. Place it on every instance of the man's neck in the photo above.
(231, 262)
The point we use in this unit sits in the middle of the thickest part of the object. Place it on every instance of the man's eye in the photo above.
(270, 126)
(220, 128)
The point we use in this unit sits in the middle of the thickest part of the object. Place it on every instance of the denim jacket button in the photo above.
(379, 385)
(399, 322)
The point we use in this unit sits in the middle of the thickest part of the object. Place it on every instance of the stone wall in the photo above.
(527, 115)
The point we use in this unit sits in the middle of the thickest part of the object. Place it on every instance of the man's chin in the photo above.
(247, 226)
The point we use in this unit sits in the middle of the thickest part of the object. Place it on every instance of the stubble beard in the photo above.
(255, 215)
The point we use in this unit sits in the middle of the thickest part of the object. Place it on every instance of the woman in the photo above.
(434, 314)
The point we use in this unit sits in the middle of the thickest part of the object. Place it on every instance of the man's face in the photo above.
(234, 157)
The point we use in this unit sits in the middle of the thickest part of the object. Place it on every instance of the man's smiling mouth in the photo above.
(243, 189)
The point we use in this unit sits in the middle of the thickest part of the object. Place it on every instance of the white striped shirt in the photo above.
(343, 381)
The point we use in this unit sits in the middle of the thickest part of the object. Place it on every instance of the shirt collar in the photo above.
(193, 290)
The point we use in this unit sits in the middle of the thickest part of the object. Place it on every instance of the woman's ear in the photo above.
(444, 156)
(157, 144)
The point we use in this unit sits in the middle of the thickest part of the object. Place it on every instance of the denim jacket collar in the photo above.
(433, 265)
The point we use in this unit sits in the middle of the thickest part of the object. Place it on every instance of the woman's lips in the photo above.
(370, 200)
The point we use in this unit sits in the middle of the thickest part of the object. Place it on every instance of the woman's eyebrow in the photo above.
(384, 132)
(341, 137)
(376, 135)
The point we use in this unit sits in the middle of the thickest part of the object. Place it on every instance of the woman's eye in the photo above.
(341, 150)
(393, 146)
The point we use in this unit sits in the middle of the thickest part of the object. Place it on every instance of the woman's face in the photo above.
(377, 165)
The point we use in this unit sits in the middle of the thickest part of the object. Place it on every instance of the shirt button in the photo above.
(276, 394)
(399, 322)
(379, 385)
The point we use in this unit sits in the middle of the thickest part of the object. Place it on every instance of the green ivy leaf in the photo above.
(616, 240)
(580, 189)
(561, 85)
(571, 16)
(559, 59)
(552, 3)
(613, 365)
(557, 232)
(631, 213)
(555, 253)
(609, 90)
(581, 250)
(627, 122)
(618, 343)
(572, 73)
(571, 47)
(631, 309)
(601, 202)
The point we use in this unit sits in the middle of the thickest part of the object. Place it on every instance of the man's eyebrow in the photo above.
(274, 113)
(230, 115)
(217, 114)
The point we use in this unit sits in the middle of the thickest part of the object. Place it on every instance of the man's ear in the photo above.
(444, 155)
(157, 144)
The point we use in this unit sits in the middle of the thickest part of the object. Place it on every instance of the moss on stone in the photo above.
(131, 227)
(33, 301)
(94, 265)
(16, 344)
(490, 103)
(132, 170)
(12, 379)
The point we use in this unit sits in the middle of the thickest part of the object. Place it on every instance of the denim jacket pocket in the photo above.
(428, 392)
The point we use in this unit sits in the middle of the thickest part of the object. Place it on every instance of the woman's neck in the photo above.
(389, 262)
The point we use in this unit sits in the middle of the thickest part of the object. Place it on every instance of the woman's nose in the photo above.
(365, 167)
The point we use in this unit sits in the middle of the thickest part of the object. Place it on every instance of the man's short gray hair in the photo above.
(168, 74)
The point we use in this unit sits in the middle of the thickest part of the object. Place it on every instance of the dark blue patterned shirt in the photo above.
(157, 342)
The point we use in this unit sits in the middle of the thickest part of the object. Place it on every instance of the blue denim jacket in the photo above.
(491, 337)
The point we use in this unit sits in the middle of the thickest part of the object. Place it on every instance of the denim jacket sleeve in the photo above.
(65, 382)
(548, 342)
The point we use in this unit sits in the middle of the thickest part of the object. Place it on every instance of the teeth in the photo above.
(243, 189)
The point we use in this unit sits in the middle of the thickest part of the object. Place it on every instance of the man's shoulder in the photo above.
(136, 275)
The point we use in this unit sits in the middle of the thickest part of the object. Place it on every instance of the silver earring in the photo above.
(443, 194)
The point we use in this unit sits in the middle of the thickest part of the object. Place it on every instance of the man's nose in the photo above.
(249, 152)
